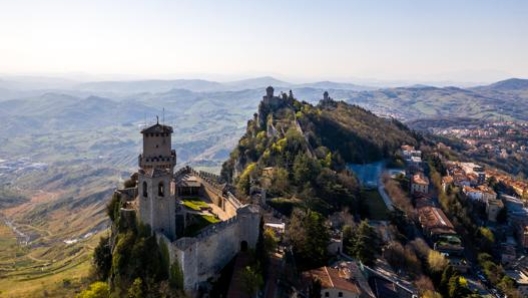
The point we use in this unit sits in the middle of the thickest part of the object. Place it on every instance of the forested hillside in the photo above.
(298, 151)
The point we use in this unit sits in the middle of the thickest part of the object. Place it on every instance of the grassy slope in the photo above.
(74, 210)
(59, 270)
(377, 208)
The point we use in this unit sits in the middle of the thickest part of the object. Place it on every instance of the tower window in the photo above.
(144, 187)
(161, 189)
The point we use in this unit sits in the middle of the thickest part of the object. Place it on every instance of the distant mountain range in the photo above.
(513, 84)
(210, 116)
(154, 86)
(26, 84)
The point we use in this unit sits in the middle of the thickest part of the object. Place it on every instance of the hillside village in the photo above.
(503, 144)
(498, 138)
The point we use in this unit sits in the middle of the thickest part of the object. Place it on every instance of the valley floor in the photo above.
(47, 257)
(59, 270)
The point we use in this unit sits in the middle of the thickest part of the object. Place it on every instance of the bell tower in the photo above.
(157, 206)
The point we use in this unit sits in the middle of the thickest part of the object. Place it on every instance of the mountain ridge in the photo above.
(304, 149)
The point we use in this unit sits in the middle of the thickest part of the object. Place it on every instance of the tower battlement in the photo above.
(157, 148)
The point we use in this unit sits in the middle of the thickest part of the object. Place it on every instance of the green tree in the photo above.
(280, 182)
(456, 289)
(98, 289)
(112, 208)
(362, 242)
(436, 261)
(305, 169)
(366, 244)
(270, 240)
(431, 294)
(486, 239)
(252, 280)
(122, 250)
(447, 273)
(349, 236)
(136, 290)
(102, 259)
(309, 236)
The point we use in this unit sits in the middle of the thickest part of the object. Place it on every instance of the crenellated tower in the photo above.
(157, 206)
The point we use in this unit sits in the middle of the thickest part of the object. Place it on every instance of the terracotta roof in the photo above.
(434, 218)
(447, 179)
(467, 189)
(486, 189)
(335, 278)
(472, 176)
(420, 179)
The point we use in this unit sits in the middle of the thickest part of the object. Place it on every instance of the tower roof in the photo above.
(157, 128)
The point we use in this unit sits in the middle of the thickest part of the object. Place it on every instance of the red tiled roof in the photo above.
(434, 218)
(334, 278)
(420, 179)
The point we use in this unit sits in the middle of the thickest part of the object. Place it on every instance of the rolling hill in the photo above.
(299, 152)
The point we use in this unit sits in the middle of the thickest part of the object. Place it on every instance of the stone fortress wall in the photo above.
(203, 256)
(214, 191)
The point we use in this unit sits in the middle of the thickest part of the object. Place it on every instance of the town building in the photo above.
(413, 159)
(520, 276)
(343, 280)
(487, 193)
(419, 184)
(522, 234)
(460, 264)
(472, 193)
(439, 231)
(513, 204)
(508, 251)
(493, 207)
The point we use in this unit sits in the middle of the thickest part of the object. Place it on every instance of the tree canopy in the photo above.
(309, 236)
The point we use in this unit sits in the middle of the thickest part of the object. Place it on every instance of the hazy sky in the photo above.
(422, 40)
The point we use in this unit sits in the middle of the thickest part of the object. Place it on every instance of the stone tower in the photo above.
(157, 205)
(269, 92)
